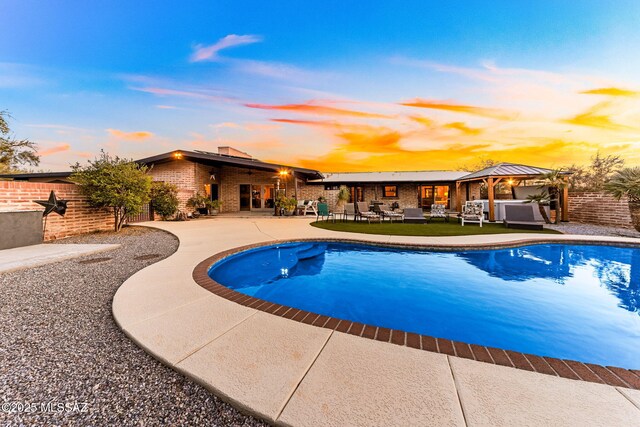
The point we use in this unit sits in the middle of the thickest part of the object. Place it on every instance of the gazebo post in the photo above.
(458, 197)
(565, 200)
(492, 213)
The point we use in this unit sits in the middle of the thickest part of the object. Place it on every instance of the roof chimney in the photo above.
(230, 151)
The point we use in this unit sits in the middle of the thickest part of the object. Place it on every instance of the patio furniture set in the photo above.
(516, 216)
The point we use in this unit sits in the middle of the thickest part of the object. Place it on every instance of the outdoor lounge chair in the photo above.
(472, 212)
(521, 216)
(385, 212)
(349, 210)
(364, 213)
(438, 211)
(414, 216)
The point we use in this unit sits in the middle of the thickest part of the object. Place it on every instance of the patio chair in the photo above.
(414, 216)
(385, 212)
(311, 206)
(349, 210)
(363, 212)
(438, 211)
(324, 212)
(472, 212)
(301, 207)
(521, 216)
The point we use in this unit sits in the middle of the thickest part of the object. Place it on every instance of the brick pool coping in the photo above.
(564, 368)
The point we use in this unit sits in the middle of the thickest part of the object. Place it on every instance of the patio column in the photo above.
(492, 213)
(565, 200)
(295, 185)
(458, 197)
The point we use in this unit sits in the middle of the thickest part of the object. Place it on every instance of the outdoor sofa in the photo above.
(414, 216)
(521, 216)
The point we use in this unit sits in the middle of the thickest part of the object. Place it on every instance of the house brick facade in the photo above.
(191, 177)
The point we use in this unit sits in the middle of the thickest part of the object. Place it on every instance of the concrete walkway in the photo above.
(35, 255)
(290, 373)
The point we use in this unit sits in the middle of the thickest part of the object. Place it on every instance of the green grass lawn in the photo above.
(433, 229)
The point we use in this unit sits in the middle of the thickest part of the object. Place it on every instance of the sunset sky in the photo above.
(330, 85)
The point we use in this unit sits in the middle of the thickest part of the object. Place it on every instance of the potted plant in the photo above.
(198, 202)
(290, 205)
(286, 205)
(214, 206)
(343, 197)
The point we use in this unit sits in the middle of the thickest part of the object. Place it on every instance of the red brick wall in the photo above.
(182, 174)
(79, 219)
(230, 179)
(599, 208)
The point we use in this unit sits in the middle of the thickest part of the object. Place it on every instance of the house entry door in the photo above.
(245, 197)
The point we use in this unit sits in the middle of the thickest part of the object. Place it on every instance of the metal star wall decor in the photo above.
(53, 205)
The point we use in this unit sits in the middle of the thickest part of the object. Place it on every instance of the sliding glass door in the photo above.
(430, 194)
(262, 197)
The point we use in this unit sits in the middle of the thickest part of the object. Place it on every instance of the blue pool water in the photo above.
(568, 301)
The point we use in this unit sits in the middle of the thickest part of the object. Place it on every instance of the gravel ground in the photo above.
(593, 230)
(60, 345)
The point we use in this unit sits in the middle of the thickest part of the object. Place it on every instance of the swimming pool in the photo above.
(579, 302)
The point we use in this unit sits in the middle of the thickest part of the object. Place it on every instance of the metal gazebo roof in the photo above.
(505, 170)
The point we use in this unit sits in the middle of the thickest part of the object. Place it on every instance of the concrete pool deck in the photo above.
(291, 373)
(46, 253)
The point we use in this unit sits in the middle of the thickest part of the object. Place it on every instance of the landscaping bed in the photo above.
(60, 344)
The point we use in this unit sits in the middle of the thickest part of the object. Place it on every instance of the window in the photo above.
(390, 191)
(331, 187)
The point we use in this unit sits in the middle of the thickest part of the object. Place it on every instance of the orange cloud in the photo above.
(53, 150)
(550, 153)
(370, 139)
(594, 117)
(493, 113)
(462, 127)
(316, 109)
(323, 123)
(611, 91)
(422, 120)
(130, 136)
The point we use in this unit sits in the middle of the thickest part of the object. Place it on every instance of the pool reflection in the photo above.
(618, 269)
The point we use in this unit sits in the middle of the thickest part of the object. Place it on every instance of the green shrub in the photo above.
(164, 199)
(114, 183)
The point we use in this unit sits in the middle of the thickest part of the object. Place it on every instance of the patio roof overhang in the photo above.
(390, 178)
(215, 159)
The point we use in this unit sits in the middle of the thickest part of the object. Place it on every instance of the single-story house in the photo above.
(243, 183)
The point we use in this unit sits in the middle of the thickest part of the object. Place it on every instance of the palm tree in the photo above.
(542, 199)
(555, 179)
(626, 182)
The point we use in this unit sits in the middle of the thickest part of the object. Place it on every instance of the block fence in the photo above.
(599, 208)
(79, 218)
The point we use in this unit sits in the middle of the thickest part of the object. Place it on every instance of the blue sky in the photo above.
(335, 85)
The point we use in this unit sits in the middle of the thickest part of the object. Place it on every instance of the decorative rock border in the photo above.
(571, 369)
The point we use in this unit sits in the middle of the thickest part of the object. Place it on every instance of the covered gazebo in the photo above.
(512, 173)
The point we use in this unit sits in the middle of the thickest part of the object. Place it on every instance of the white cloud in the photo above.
(210, 52)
